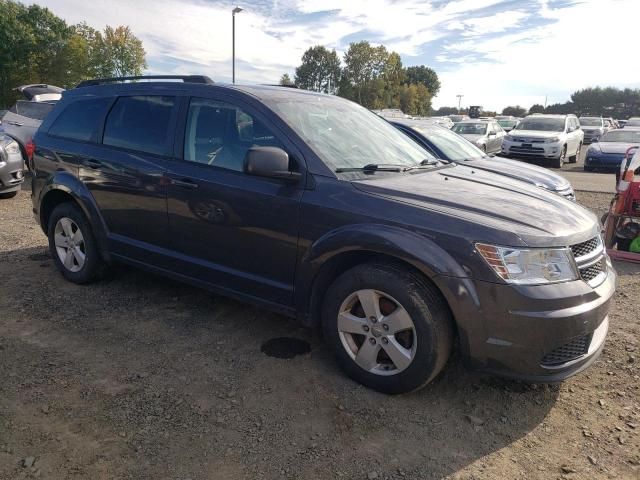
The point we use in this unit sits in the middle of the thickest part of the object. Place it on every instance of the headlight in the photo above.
(10, 146)
(532, 266)
(552, 140)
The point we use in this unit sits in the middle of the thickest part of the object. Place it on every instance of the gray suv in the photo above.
(313, 206)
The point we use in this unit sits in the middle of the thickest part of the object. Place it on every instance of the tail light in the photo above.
(30, 148)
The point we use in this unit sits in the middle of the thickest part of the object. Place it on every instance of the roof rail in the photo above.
(280, 85)
(185, 78)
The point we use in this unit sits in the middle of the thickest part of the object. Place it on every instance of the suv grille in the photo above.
(569, 351)
(585, 248)
(589, 273)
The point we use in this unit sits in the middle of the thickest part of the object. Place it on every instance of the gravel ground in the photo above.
(139, 377)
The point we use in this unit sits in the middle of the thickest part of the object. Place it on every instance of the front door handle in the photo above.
(184, 183)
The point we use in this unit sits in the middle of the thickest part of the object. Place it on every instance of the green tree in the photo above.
(516, 111)
(364, 65)
(124, 53)
(424, 75)
(285, 80)
(536, 108)
(444, 111)
(319, 70)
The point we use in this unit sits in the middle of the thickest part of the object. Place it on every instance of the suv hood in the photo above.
(504, 205)
(526, 172)
(533, 134)
(592, 129)
(471, 137)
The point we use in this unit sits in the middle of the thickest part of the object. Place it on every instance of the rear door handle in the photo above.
(92, 163)
(184, 183)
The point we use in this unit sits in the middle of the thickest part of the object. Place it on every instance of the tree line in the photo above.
(593, 101)
(369, 75)
(36, 46)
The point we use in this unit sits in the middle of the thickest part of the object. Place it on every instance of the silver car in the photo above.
(11, 166)
(487, 135)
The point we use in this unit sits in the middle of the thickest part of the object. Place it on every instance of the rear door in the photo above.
(125, 175)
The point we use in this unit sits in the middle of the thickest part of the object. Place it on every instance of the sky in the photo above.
(494, 52)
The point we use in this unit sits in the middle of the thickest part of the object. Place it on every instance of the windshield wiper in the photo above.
(426, 163)
(373, 167)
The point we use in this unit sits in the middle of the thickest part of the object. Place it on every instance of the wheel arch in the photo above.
(63, 188)
(343, 249)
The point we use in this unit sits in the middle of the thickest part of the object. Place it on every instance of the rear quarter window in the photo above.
(141, 123)
(81, 120)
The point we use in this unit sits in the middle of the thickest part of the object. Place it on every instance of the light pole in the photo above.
(459, 100)
(233, 43)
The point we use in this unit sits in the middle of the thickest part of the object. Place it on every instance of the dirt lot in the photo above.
(144, 378)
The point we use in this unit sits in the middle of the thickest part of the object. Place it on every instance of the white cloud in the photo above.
(579, 46)
(580, 49)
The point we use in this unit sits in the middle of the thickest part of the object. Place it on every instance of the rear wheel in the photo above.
(559, 162)
(72, 244)
(389, 328)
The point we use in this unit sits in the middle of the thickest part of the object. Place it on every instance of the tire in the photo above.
(559, 162)
(7, 195)
(66, 218)
(574, 158)
(424, 335)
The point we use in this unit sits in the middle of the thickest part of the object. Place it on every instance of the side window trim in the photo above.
(181, 130)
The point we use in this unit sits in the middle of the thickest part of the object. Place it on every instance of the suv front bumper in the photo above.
(533, 149)
(543, 333)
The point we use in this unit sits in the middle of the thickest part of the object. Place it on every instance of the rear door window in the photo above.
(81, 120)
(141, 123)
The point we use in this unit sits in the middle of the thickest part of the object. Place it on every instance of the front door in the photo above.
(234, 230)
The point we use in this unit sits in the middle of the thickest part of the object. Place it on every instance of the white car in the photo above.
(557, 138)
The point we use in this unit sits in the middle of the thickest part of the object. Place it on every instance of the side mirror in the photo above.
(270, 162)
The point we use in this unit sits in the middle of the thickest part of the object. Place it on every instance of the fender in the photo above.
(67, 182)
(405, 245)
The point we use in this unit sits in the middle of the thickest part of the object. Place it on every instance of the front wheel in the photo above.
(72, 244)
(390, 329)
(559, 162)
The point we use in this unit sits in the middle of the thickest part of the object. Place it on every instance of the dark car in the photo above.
(315, 207)
(445, 144)
(610, 150)
(593, 128)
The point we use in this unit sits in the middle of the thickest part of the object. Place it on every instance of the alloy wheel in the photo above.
(70, 245)
(377, 332)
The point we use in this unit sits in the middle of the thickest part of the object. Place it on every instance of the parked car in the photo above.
(11, 166)
(24, 117)
(593, 128)
(458, 118)
(487, 135)
(633, 122)
(556, 138)
(315, 207)
(622, 123)
(445, 144)
(609, 151)
(508, 124)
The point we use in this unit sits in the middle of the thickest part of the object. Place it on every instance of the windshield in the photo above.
(542, 124)
(623, 136)
(34, 110)
(453, 146)
(345, 135)
(470, 128)
(590, 122)
(507, 123)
